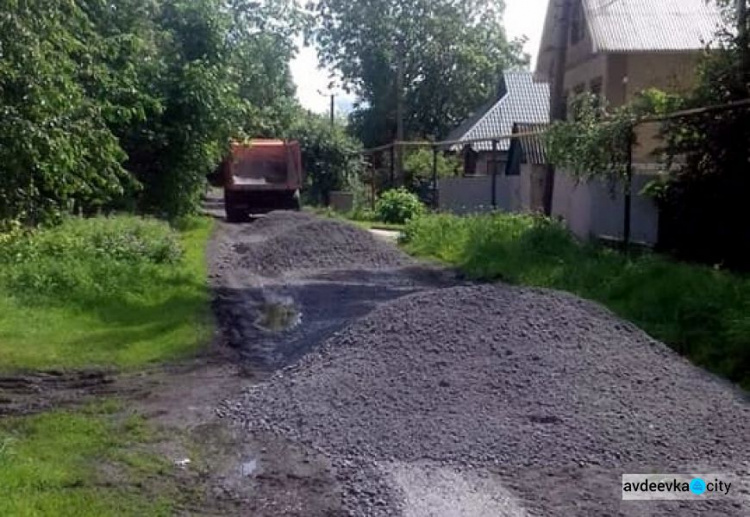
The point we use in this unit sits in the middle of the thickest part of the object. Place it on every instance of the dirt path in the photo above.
(416, 395)
(347, 379)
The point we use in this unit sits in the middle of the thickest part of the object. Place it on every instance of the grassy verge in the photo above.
(106, 292)
(88, 463)
(361, 219)
(701, 312)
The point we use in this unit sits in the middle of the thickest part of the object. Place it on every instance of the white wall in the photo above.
(472, 194)
(593, 209)
(597, 209)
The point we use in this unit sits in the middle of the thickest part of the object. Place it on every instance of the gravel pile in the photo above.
(547, 390)
(299, 242)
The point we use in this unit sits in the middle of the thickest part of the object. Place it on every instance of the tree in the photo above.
(703, 200)
(56, 150)
(330, 156)
(130, 104)
(447, 54)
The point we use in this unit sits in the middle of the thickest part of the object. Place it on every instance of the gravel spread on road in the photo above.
(536, 401)
(521, 382)
(305, 243)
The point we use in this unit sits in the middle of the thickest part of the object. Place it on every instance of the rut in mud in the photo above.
(428, 397)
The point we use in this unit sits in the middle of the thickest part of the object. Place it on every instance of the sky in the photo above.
(522, 18)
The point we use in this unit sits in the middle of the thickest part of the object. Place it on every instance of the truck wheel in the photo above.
(236, 216)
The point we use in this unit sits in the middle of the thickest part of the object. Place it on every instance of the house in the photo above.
(617, 49)
(520, 99)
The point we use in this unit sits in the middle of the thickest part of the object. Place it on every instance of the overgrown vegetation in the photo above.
(121, 291)
(330, 157)
(398, 206)
(702, 312)
(85, 463)
(130, 104)
(704, 197)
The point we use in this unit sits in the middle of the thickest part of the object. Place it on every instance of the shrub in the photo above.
(86, 258)
(398, 206)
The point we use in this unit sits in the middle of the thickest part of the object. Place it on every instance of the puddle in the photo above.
(248, 468)
(278, 315)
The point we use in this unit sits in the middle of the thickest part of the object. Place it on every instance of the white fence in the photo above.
(593, 209)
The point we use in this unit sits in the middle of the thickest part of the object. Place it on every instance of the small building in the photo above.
(520, 99)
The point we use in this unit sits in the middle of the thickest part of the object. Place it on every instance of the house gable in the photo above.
(631, 26)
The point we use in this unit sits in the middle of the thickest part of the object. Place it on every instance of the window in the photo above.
(577, 24)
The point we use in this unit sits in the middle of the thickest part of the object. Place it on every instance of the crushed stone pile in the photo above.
(300, 242)
(552, 392)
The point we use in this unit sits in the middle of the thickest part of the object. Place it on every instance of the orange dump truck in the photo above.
(260, 176)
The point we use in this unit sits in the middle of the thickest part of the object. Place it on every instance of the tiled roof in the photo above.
(532, 147)
(524, 101)
(651, 25)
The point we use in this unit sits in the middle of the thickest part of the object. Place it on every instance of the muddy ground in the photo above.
(347, 379)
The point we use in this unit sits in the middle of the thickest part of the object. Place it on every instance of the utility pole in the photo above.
(333, 110)
(744, 41)
(557, 88)
(399, 111)
(333, 104)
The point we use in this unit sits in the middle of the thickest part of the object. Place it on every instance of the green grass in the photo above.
(105, 292)
(363, 219)
(701, 312)
(77, 464)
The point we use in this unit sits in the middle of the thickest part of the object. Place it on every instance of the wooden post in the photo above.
(400, 111)
(628, 192)
(393, 166)
(333, 110)
(372, 185)
(435, 204)
(495, 163)
(557, 93)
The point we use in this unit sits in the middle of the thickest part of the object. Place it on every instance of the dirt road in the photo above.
(385, 387)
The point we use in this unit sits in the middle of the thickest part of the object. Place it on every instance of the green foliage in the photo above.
(130, 104)
(83, 254)
(120, 291)
(701, 312)
(418, 166)
(57, 464)
(450, 53)
(704, 197)
(595, 142)
(330, 157)
(56, 151)
(398, 206)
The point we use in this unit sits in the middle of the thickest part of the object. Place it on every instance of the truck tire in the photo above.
(236, 216)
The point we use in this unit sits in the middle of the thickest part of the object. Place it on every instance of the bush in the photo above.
(330, 157)
(117, 291)
(699, 311)
(85, 257)
(398, 206)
